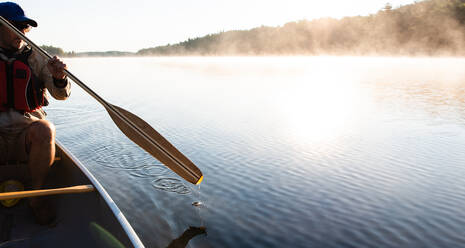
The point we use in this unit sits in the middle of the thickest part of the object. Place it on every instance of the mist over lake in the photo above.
(296, 151)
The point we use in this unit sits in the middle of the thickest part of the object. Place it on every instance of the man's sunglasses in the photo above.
(21, 25)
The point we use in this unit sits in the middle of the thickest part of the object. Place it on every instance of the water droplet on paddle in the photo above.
(197, 204)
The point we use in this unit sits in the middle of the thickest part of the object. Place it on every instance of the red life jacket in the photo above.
(19, 88)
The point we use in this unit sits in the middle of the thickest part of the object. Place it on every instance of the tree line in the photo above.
(429, 27)
(59, 52)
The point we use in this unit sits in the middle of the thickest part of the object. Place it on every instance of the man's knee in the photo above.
(41, 131)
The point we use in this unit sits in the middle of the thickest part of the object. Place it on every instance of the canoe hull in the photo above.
(83, 220)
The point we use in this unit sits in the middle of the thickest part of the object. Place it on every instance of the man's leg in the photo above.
(40, 142)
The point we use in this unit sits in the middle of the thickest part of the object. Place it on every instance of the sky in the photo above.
(109, 25)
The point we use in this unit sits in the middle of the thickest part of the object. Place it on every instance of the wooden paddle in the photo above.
(42, 192)
(133, 127)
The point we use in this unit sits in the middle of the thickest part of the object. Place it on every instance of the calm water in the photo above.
(296, 151)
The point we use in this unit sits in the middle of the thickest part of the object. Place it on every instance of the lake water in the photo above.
(296, 151)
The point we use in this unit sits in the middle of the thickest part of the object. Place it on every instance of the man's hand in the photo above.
(57, 68)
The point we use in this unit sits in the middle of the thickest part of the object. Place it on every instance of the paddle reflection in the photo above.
(186, 236)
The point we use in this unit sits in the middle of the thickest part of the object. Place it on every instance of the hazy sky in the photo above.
(130, 25)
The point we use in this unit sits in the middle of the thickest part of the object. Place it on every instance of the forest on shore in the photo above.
(429, 27)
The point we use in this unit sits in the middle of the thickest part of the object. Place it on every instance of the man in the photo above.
(25, 135)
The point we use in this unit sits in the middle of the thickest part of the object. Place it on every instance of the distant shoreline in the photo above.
(272, 56)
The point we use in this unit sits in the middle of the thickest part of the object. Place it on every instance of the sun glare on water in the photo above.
(320, 107)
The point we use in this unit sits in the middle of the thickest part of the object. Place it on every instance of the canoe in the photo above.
(90, 219)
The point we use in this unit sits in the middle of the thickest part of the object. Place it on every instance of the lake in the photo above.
(296, 151)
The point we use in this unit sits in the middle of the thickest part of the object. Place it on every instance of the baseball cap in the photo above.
(13, 12)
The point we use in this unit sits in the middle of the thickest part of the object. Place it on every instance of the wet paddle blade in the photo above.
(151, 141)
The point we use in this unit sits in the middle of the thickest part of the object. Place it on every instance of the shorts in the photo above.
(13, 145)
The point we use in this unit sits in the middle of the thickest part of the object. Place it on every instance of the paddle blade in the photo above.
(151, 141)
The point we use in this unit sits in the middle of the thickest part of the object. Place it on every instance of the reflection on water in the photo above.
(186, 236)
(296, 151)
(313, 111)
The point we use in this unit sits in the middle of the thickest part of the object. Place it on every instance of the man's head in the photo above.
(15, 15)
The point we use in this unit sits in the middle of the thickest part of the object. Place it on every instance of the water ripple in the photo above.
(171, 185)
(147, 171)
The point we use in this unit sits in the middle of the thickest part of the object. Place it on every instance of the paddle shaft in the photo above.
(43, 192)
(173, 157)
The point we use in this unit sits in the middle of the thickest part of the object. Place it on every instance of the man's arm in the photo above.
(52, 74)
